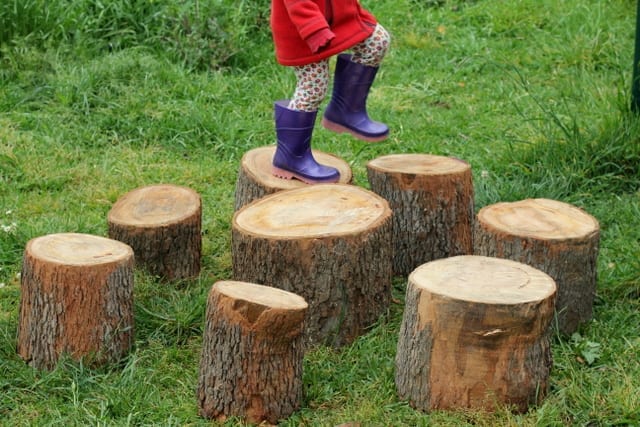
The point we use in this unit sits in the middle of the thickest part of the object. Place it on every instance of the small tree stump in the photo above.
(255, 179)
(432, 202)
(475, 334)
(162, 224)
(555, 237)
(77, 299)
(251, 364)
(329, 243)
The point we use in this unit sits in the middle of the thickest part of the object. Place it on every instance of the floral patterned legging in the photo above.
(313, 79)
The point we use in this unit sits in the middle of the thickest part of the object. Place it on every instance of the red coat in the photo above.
(293, 21)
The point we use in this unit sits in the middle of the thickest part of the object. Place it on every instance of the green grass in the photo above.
(98, 98)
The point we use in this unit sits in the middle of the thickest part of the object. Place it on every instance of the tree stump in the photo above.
(255, 179)
(77, 299)
(475, 334)
(251, 364)
(432, 202)
(329, 243)
(162, 224)
(555, 237)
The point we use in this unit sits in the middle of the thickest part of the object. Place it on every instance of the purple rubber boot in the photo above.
(293, 157)
(347, 111)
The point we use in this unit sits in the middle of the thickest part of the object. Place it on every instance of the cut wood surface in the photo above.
(475, 334)
(331, 244)
(77, 299)
(255, 179)
(555, 237)
(162, 223)
(252, 355)
(433, 206)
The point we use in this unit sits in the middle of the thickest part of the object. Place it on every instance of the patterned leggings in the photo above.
(313, 79)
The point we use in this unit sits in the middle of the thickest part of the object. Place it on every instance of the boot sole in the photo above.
(285, 174)
(335, 127)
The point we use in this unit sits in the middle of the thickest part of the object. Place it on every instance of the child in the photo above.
(306, 34)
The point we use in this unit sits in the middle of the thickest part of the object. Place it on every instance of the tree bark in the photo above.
(251, 364)
(475, 335)
(255, 179)
(162, 223)
(330, 244)
(433, 207)
(555, 237)
(77, 299)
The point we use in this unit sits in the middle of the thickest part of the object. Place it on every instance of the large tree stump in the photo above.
(329, 243)
(162, 224)
(251, 363)
(255, 179)
(475, 334)
(432, 202)
(77, 299)
(555, 237)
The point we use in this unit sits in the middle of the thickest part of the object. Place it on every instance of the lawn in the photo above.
(98, 98)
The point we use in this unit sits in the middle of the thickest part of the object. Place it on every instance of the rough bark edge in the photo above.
(43, 313)
(244, 345)
(171, 251)
(259, 260)
(425, 229)
(574, 305)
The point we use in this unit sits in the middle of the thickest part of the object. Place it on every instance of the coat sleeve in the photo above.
(306, 16)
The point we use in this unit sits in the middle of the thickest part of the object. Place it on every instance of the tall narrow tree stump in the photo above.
(251, 363)
(432, 202)
(475, 335)
(77, 299)
(162, 224)
(555, 237)
(255, 179)
(329, 243)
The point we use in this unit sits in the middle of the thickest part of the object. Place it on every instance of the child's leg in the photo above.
(354, 76)
(295, 120)
(371, 51)
(312, 86)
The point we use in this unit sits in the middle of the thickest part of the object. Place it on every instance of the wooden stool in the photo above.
(329, 243)
(162, 224)
(256, 181)
(432, 202)
(475, 334)
(555, 237)
(251, 364)
(77, 299)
